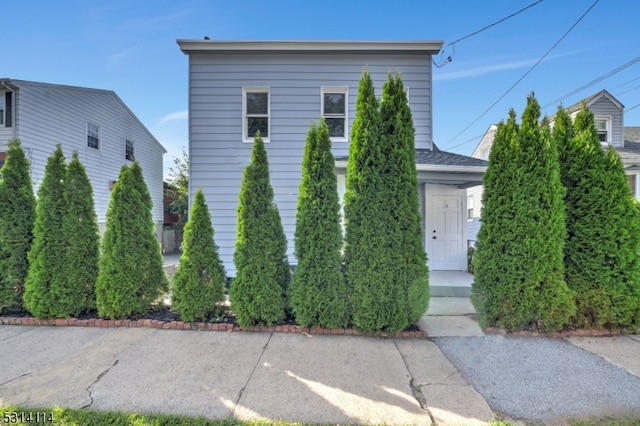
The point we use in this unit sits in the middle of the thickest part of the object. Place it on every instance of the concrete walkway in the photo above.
(457, 376)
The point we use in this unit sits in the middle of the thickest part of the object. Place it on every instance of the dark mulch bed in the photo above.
(166, 314)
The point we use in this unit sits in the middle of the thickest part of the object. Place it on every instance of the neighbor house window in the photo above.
(631, 180)
(334, 111)
(469, 208)
(603, 125)
(128, 150)
(93, 136)
(2, 111)
(256, 110)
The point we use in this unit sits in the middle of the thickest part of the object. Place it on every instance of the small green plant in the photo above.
(199, 281)
(17, 215)
(45, 294)
(318, 294)
(258, 290)
(130, 277)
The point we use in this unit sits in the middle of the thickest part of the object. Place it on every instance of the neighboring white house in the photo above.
(94, 122)
(280, 88)
(609, 118)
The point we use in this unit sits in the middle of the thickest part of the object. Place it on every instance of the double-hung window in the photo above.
(334, 112)
(603, 125)
(256, 111)
(128, 150)
(2, 111)
(93, 136)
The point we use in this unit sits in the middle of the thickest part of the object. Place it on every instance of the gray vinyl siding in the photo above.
(605, 107)
(52, 114)
(217, 152)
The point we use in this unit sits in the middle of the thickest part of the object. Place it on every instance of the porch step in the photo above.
(450, 283)
(449, 291)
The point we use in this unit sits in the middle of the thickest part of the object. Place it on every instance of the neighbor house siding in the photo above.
(604, 107)
(216, 148)
(52, 114)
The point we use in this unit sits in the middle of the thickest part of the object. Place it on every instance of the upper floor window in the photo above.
(93, 136)
(334, 111)
(603, 125)
(256, 110)
(2, 111)
(128, 150)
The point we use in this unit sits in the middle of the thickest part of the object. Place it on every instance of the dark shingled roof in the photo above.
(440, 158)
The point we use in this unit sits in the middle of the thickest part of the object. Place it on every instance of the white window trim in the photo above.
(608, 120)
(253, 89)
(86, 137)
(133, 146)
(337, 89)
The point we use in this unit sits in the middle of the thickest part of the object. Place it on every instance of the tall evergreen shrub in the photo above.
(130, 278)
(259, 288)
(17, 216)
(409, 256)
(199, 281)
(603, 242)
(76, 289)
(47, 254)
(369, 254)
(318, 295)
(519, 269)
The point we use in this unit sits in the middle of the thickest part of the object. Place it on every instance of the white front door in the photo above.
(444, 229)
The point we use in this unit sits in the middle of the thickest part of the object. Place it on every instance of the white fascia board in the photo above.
(427, 46)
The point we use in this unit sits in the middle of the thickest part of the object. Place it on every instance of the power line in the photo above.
(592, 82)
(453, 43)
(526, 73)
(495, 23)
(629, 109)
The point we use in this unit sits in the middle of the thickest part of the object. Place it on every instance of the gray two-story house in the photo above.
(280, 88)
(96, 123)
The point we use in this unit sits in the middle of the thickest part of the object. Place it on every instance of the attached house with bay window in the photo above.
(94, 122)
(279, 88)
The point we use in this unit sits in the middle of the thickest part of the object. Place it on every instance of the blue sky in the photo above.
(129, 46)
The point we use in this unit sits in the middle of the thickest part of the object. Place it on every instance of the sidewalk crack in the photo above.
(264, 348)
(89, 390)
(416, 391)
(15, 378)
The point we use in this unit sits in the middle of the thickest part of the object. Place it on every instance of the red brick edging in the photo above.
(203, 326)
(560, 334)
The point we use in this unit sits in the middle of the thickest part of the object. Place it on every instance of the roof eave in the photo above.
(216, 46)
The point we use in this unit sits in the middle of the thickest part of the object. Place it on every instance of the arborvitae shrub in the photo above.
(603, 224)
(199, 281)
(81, 233)
(17, 215)
(258, 290)
(47, 254)
(411, 272)
(318, 295)
(130, 278)
(519, 269)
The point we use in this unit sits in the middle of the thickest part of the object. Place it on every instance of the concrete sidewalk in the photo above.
(332, 379)
(325, 379)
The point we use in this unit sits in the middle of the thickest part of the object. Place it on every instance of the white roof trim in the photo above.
(191, 46)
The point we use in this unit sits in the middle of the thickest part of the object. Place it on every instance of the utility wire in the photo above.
(592, 82)
(525, 74)
(453, 43)
(629, 109)
(495, 23)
